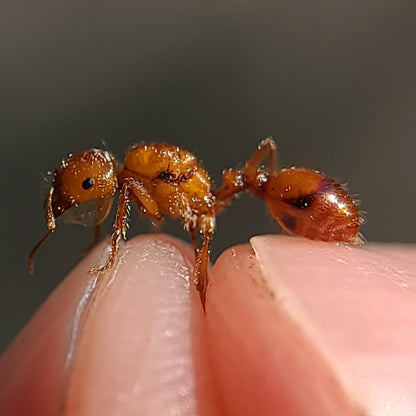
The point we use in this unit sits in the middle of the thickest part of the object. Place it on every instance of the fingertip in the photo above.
(265, 360)
(136, 341)
(33, 366)
(135, 354)
(117, 343)
(360, 304)
(320, 324)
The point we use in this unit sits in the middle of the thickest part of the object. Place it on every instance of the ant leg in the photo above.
(206, 225)
(238, 180)
(146, 203)
(201, 269)
(120, 228)
(266, 148)
(120, 224)
(233, 183)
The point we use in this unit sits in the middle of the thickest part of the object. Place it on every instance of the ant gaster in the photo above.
(165, 179)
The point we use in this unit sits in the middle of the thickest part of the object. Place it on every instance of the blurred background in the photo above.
(333, 82)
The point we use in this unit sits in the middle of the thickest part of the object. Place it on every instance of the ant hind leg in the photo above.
(266, 148)
(239, 180)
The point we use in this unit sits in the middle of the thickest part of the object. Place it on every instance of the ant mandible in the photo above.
(165, 179)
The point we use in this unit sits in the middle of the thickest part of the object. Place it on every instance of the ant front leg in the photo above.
(120, 225)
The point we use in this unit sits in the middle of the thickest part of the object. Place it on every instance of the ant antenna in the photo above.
(29, 263)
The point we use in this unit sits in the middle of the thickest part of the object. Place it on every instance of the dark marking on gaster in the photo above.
(289, 222)
(301, 202)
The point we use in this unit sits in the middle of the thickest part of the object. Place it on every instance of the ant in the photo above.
(165, 179)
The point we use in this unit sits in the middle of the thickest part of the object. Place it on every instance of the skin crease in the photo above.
(292, 327)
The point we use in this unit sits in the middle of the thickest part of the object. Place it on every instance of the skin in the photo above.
(292, 327)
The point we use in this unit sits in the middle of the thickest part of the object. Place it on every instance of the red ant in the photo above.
(165, 179)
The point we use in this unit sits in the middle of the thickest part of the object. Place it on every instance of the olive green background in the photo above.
(333, 82)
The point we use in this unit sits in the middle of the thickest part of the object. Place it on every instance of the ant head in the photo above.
(84, 177)
(88, 178)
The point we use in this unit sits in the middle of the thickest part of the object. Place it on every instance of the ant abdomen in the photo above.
(312, 205)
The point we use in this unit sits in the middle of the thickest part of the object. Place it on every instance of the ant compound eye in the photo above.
(88, 183)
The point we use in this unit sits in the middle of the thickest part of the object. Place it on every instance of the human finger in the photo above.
(310, 328)
(117, 343)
